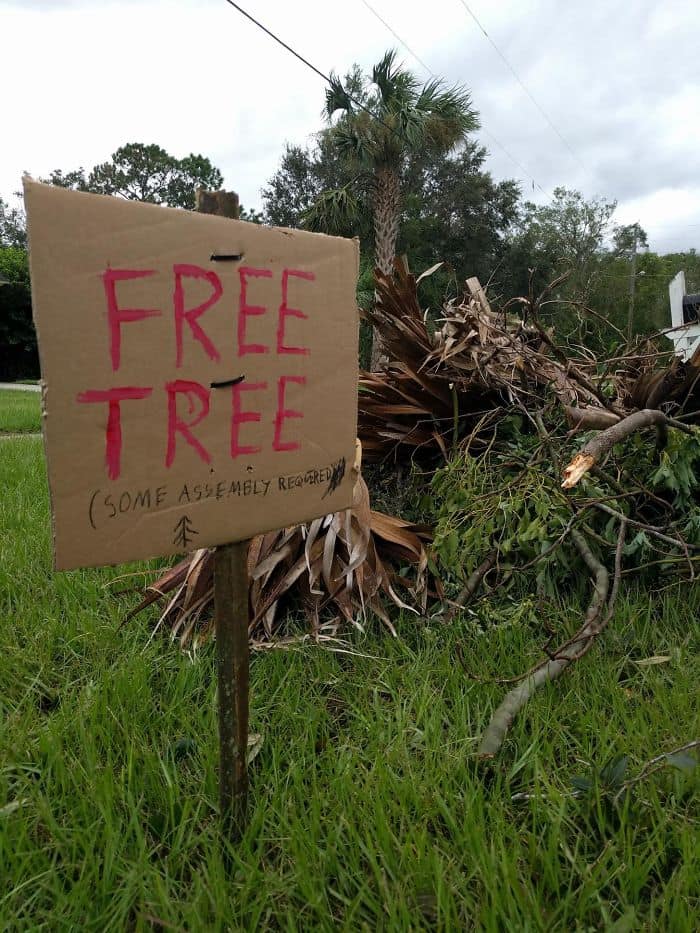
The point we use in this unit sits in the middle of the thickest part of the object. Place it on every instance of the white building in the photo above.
(685, 318)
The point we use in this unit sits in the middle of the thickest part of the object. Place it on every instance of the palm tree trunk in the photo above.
(386, 230)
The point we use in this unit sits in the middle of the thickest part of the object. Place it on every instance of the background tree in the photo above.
(19, 358)
(140, 172)
(304, 175)
(405, 119)
(567, 233)
(13, 226)
(454, 211)
(627, 238)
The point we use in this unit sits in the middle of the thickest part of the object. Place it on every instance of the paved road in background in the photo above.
(19, 387)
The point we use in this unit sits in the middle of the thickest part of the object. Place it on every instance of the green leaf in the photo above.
(582, 783)
(682, 760)
(613, 772)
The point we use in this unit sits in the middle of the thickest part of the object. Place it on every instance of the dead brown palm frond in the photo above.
(676, 387)
(336, 569)
(437, 384)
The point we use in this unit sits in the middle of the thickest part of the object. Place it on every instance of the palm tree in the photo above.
(381, 125)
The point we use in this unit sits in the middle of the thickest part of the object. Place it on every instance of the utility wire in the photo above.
(535, 184)
(522, 84)
(358, 103)
(316, 70)
(398, 38)
(515, 162)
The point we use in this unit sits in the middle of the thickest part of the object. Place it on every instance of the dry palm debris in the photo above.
(443, 385)
(439, 386)
(335, 570)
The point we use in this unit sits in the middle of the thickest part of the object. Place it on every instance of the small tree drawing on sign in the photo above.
(184, 532)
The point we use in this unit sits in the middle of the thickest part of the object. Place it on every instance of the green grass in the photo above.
(368, 811)
(20, 411)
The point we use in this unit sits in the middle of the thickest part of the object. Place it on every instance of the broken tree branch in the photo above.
(473, 582)
(600, 445)
(553, 668)
(584, 419)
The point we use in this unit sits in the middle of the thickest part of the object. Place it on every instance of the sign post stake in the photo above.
(231, 623)
(231, 617)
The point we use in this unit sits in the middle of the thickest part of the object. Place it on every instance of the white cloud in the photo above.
(196, 76)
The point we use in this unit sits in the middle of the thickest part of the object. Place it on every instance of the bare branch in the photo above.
(583, 419)
(553, 668)
(654, 764)
(602, 443)
(473, 582)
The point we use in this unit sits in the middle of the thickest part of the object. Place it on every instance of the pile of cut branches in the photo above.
(546, 466)
(494, 393)
(447, 383)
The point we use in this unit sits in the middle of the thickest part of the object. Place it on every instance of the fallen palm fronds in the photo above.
(335, 570)
(440, 386)
(445, 383)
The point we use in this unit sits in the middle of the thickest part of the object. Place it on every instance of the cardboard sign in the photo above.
(199, 375)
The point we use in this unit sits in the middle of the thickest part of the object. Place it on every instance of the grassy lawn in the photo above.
(368, 811)
(20, 411)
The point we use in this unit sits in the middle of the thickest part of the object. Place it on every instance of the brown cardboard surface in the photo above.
(274, 448)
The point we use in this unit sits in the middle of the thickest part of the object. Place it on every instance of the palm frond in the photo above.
(356, 140)
(443, 388)
(337, 98)
(448, 114)
(337, 570)
(383, 73)
(333, 212)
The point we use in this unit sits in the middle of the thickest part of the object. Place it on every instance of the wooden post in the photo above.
(231, 618)
(231, 624)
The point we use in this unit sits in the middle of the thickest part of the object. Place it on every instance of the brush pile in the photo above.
(493, 408)
(445, 385)
(493, 395)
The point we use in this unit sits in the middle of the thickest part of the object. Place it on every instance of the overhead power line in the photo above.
(522, 84)
(316, 70)
(519, 165)
(398, 37)
(359, 103)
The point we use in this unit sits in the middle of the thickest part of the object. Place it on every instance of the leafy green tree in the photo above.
(13, 226)
(140, 172)
(455, 212)
(627, 238)
(567, 233)
(18, 351)
(304, 174)
(399, 118)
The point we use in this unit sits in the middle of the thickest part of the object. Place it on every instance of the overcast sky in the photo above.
(619, 80)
